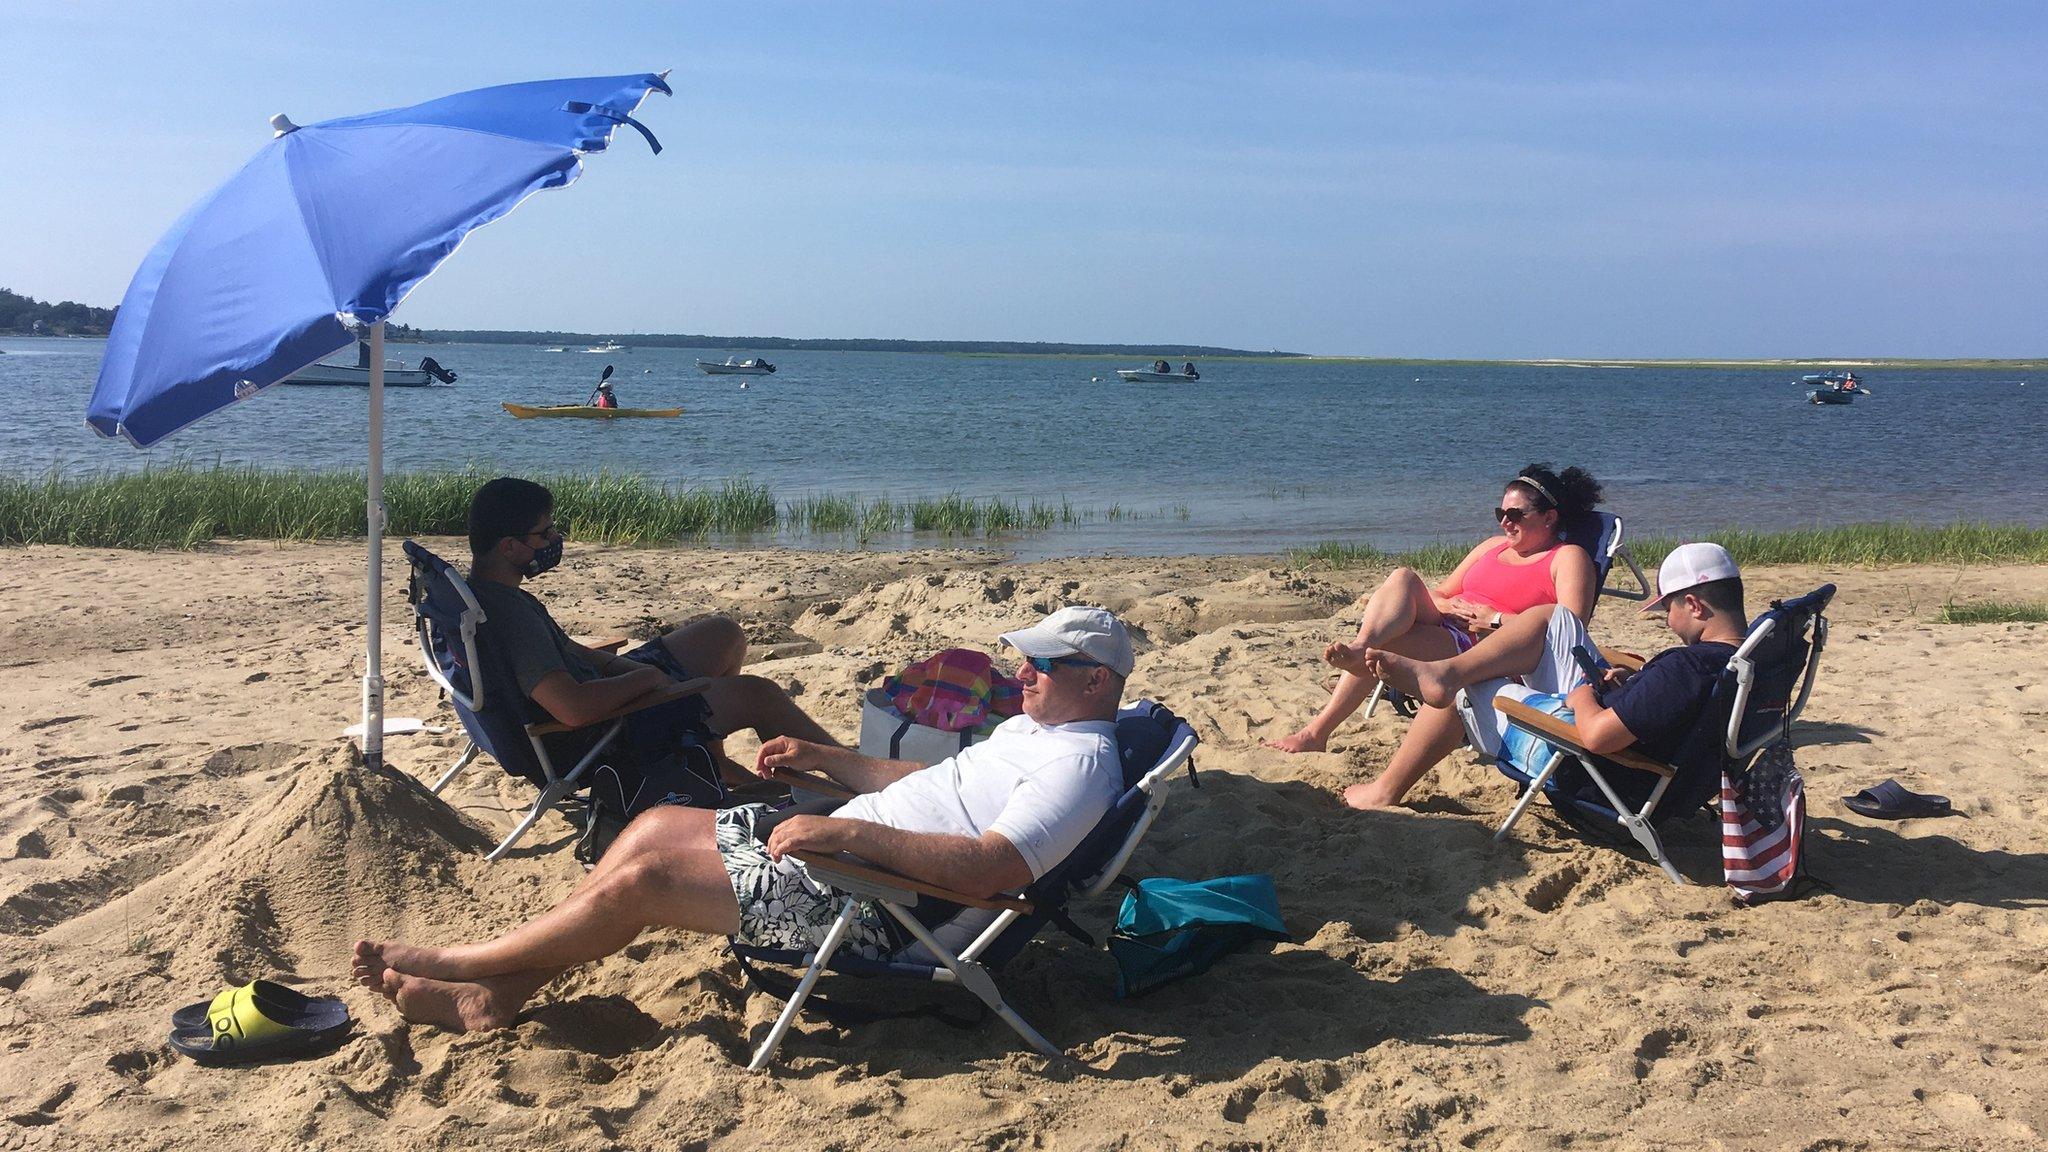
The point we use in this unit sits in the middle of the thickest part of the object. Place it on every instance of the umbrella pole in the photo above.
(373, 674)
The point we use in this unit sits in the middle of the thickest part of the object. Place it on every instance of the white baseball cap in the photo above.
(1689, 566)
(1080, 631)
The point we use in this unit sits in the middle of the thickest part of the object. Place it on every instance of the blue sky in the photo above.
(1410, 180)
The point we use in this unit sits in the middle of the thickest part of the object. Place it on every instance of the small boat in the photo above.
(1147, 375)
(554, 349)
(1833, 387)
(752, 366)
(396, 374)
(607, 346)
(586, 411)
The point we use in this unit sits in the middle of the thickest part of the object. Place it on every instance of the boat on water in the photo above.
(607, 346)
(586, 412)
(752, 366)
(1833, 387)
(396, 375)
(554, 349)
(1148, 376)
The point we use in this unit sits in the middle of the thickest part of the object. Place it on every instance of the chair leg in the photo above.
(1373, 701)
(834, 936)
(549, 797)
(977, 980)
(468, 758)
(1529, 795)
(1638, 821)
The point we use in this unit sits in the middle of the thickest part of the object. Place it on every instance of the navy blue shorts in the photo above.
(680, 721)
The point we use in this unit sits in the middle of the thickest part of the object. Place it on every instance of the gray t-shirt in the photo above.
(521, 633)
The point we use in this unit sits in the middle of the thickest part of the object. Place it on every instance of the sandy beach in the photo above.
(182, 813)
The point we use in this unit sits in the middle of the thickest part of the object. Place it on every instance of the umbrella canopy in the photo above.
(324, 232)
(318, 238)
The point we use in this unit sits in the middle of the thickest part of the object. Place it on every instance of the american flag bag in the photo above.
(1763, 825)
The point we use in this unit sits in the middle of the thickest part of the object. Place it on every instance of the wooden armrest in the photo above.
(610, 644)
(667, 695)
(811, 782)
(1628, 660)
(826, 866)
(1554, 731)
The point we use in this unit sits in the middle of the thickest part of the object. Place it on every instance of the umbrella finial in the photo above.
(283, 125)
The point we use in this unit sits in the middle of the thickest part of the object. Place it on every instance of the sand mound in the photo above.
(332, 853)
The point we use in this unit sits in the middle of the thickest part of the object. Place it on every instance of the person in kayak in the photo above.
(603, 397)
(1537, 561)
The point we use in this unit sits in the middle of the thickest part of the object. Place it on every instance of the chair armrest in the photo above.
(610, 644)
(1619, 659)
(1553, 731)
(668, 695)
(811, 782)
(835, 869)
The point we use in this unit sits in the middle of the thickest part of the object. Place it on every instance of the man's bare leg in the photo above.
(664, 871)
(760, 703)
(1435, 734)
(1399, 614)
(1513, 649)
(713, 646)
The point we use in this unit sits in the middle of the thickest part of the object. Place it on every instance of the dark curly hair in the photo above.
(1573, 492)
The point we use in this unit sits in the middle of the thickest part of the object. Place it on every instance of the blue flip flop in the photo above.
(260, 1020)
(1891, 801)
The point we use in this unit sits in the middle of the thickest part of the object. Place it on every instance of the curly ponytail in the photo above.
(1573, 492)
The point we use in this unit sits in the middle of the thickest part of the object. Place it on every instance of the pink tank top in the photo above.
(1511, 587)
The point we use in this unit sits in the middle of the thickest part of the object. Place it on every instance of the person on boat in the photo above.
(512, 539)
(1188, 369)
(1161, 366)
(603, 397)
(1535, 562)
(989, 820)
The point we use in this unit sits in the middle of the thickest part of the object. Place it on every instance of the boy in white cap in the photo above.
(991, 819)
(1530, 659)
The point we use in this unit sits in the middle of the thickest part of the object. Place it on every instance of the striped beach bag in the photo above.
(1763, 826)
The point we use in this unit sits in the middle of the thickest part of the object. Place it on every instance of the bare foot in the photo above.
(367, 964)
(373, 957)
(1349, 658)
(1302, 741)
(1369, 796)
(450, 1005)
(1423, 679)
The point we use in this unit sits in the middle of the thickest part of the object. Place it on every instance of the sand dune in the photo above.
(183, 813)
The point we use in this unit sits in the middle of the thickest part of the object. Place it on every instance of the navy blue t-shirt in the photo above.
(1660, 704)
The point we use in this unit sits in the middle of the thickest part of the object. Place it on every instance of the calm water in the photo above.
(1257, 456)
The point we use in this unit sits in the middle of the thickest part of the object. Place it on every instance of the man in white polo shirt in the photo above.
(989, 820)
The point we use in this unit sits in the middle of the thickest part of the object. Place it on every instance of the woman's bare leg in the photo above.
(1435, 734)
(1399, 615)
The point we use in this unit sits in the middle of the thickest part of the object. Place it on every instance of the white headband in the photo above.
(1532, 482)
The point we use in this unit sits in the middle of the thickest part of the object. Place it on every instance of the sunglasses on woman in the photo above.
(1045, 664)
(1512, 515)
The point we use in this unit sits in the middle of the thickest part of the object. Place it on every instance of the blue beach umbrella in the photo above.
(314, 243)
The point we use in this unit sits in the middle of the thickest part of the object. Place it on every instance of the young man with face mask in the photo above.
(513, 538)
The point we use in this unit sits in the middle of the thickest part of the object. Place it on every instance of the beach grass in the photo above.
(1993, 612)
(1851, 544)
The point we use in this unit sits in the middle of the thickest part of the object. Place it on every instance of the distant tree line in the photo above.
(30, 317)
(762, 343)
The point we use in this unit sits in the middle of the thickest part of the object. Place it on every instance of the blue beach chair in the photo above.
(1152, 743)
(1607, 549)
(501, 722)
(1763, 690)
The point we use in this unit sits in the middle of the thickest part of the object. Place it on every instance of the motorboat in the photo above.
(586, 412)
(1154, 376)
(752, 366)
(1833, 387)
(396, 375)
(554, 349)
(607, 346)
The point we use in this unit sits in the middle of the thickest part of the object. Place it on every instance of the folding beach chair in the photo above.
(1763, 689)
(1151, 742)
(499, 719)
(1607, 548)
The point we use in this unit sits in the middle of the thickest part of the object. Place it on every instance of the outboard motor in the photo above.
(767, 365)
(433, 368)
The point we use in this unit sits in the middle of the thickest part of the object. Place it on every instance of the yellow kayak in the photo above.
(585, 411)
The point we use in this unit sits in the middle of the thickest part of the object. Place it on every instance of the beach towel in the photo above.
(957, 690)
(1763, 826)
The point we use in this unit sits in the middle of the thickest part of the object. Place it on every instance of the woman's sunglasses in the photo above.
(1511, 515)
(1045, 664)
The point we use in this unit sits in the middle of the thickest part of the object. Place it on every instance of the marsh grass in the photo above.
(1993, 612)
(1852, 544)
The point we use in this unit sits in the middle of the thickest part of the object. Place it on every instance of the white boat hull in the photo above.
(1145, 375)
(712, 369)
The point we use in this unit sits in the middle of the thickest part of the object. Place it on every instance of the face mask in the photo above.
(545, 558)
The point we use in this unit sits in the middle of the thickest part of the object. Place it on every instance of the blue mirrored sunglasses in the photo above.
(1045, 664)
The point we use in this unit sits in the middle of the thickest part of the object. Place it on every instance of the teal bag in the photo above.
(1170, 928)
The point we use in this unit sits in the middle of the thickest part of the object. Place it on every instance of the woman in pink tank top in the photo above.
(1529, 567)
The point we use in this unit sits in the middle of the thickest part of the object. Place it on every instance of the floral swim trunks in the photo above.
(780, 905)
